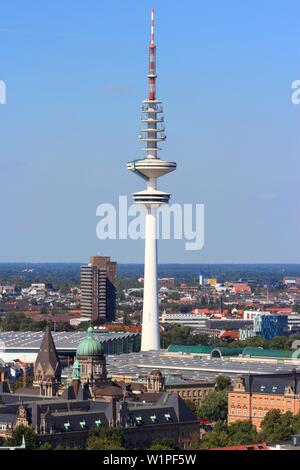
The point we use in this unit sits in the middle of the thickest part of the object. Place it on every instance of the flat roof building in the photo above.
(25, 345)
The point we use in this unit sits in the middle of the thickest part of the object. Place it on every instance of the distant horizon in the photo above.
(160, 264)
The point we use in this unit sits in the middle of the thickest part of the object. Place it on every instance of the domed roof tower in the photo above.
(89, 346)
(91, 359)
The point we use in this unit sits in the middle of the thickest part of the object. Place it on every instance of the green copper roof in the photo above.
(76, 370)
(228, 352)
(177, 348)
(89, 346)
(268, 353)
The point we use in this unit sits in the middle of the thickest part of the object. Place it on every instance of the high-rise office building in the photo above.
(98, 291)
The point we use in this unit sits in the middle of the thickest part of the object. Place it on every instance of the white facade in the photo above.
(251, 314)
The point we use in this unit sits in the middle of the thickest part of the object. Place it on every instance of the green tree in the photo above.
(239, 433)
(195, 443)
(223, 382)
(105, 439)
(30, 436)
(164, 444)
(174, 295)
(296, 424)
(279, 342)
(45, 446)
(28, 380)
(180, 334)
(277, 427)
(242, 432)
(254, 342)
(65, 289)
(15, 384)
(214, 406)
(59, 447)
(215, 439)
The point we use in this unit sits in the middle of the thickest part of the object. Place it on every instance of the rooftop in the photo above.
(190, 367)
(64, 341)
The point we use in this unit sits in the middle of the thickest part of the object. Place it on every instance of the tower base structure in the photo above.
(150, 331)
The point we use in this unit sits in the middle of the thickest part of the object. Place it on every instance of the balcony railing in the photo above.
(151, 109)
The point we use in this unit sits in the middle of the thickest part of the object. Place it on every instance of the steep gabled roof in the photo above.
(47, 358)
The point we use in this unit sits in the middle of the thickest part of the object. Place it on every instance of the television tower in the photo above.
(150, 169)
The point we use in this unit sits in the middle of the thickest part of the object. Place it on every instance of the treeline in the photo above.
(98, 439)
(276, 428)
(182, 335)
(14, 321)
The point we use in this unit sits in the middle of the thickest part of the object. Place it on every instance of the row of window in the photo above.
(192, 393)
(4, 427)
(239, 412)
(256, 412)
(244, 412)
(266, 403)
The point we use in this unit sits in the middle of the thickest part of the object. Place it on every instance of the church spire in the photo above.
(47, 368)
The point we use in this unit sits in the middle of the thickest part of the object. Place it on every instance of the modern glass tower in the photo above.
(150, 169)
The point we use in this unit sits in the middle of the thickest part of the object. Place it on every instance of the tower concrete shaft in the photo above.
(150, 169)
(150, 329)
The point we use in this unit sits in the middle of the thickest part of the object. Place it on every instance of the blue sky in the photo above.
(75, 73)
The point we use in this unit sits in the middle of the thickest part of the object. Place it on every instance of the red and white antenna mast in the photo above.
(152, 62)
(152, 26)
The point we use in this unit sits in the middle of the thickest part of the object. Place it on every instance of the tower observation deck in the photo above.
(150, 168)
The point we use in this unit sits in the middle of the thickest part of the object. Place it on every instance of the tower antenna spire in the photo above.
(152, 26)
(152, 62)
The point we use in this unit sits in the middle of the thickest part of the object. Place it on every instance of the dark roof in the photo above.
(183, 411)
(28, 391)
(150, 416)
(4, 387)
(47, 355)
(166, 400)
(7, 418)
(272, 384)
(108, 388)
(17, 398)
(134, 387)
(76, 421)
(148, 397)
(73, 392)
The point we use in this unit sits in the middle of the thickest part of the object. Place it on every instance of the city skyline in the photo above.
(71, 117)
